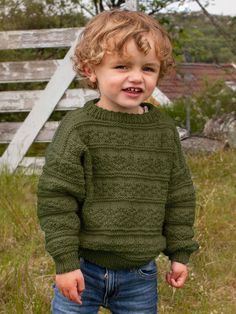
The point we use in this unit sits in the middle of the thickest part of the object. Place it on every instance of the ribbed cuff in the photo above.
(180, 257)
(67, 263)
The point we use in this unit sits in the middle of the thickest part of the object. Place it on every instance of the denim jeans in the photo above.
(132, 291)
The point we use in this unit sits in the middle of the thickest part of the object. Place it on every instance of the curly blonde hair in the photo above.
(109, 31)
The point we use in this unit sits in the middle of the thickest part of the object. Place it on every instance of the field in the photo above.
(26, 271)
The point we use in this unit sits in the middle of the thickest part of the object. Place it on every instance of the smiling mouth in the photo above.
(133, 90)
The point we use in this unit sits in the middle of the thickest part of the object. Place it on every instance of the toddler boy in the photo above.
(115, 190)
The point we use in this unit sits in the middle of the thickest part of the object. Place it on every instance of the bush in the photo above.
(215, 100)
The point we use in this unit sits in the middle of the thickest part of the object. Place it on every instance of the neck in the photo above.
(139, 109)
(99, 113)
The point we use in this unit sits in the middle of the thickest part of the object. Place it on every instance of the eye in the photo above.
(121, 67)
(149, 69)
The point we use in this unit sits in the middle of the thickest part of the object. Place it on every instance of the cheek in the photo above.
(152, 83)
(114, 81)
(109, 85)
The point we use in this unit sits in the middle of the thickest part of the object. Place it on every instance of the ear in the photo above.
(90, 73)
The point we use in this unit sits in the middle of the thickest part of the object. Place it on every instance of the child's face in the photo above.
(126, 81)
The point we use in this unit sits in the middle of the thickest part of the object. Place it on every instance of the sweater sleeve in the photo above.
(61, 192)
(179, 209)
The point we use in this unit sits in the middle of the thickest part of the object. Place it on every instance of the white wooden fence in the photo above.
(39, 103)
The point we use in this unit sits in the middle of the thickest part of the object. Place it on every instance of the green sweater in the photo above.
(116, 190)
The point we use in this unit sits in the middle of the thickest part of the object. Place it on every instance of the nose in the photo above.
(135, 76)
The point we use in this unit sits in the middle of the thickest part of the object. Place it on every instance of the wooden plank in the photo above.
(9, 129)
(31, 165)
(24, 101)
(40, 113)
(38, 38)
(27, 71)
(34, 165)
(160, 97)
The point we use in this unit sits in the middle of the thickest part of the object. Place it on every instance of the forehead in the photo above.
(123, 45)
(130, 51)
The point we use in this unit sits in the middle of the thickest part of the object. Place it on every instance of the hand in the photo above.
(178, 274)
(71, 285)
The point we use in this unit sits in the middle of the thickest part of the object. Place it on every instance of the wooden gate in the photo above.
(39, 103)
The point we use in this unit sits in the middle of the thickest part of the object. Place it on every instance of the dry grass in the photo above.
(26, 271)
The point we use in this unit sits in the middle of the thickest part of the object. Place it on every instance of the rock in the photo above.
(222, 128)
(183, 133)
(201, 145)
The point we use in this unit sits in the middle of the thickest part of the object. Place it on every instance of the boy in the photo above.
(115, 190)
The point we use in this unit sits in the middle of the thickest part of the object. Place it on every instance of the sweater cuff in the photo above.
(180, 257)
(67, 263)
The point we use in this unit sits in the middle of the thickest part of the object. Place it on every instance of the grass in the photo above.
(27, 272)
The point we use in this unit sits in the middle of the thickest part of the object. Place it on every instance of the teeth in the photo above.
(132, 89)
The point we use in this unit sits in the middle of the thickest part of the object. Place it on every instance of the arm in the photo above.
(180, 209)
(61, 190)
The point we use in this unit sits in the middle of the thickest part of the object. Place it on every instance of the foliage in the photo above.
(214, 101)
(93, 7)
(27, 272)
(34, 14)
(195, 39)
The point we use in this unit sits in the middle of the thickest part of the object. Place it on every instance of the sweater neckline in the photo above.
(100, 113)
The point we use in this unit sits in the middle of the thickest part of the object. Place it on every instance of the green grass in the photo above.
(27, 272)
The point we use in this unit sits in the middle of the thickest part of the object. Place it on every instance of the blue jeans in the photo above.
(132, 291)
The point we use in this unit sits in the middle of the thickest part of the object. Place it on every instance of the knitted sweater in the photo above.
(116, 190)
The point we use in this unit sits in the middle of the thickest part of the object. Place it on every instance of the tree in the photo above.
(88, 7)
(93, 7)
(37, 14)
(229, 38)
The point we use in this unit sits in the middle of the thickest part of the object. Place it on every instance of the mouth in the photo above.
(133, 90)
